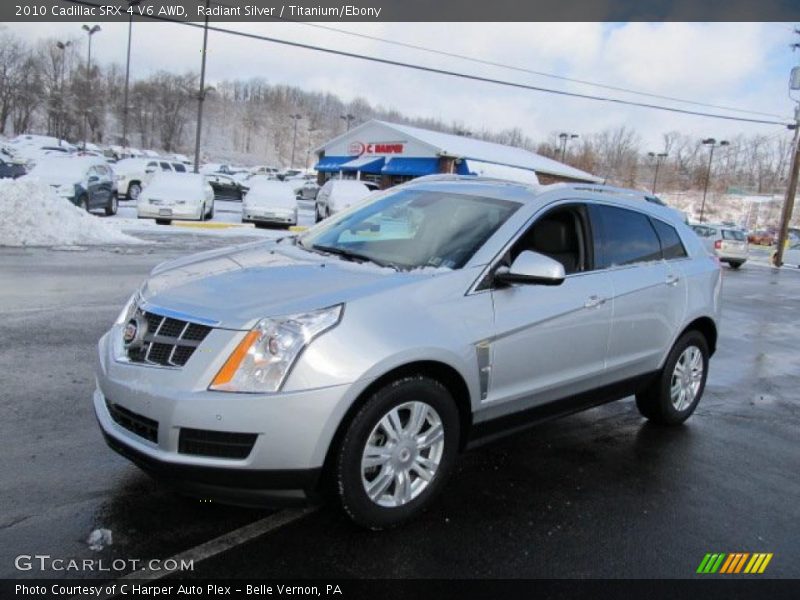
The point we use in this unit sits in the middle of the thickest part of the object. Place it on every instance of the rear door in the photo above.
(649, 292)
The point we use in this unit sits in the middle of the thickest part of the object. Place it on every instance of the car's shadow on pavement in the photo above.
(560, 488)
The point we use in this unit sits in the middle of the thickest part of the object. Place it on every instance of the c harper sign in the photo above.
(374, 148)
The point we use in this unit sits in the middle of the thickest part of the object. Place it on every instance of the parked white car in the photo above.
(176, 196)
(135, 173)
(338, 194)
(270, 202)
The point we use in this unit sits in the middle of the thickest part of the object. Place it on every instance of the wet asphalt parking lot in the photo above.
(598, 494)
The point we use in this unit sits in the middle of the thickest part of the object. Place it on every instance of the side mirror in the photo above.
(532, 267)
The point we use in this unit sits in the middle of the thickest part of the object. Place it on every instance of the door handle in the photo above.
(671, 280)
(593, 301)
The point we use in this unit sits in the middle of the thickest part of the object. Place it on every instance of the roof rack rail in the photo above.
(610, 189)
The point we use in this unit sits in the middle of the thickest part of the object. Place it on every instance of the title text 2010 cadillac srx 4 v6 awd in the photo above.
(377, 345)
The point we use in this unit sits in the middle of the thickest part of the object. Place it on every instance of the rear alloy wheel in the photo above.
(672, 397)
(397, 452)
(112, 207)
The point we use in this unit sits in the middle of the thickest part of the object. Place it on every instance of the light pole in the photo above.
(60, 125)
(565, 138)
(90, 31)
(294, 118)
(712, 143)
(348, 118)
(660, 156)
(131, 4)
(201, 96)
(308, 149)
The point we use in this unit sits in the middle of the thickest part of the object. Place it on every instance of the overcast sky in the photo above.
(744, 65)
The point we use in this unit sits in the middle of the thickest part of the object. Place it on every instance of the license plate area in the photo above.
(165, 212)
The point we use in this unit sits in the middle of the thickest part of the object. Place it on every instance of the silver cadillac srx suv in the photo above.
(370, 350)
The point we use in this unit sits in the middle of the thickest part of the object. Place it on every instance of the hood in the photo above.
(237, 287)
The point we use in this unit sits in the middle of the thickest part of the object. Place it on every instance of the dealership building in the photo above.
(389, 154)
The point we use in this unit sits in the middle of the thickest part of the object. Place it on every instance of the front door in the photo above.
(550, 341)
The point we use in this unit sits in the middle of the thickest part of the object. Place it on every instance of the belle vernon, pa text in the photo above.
(289, 10)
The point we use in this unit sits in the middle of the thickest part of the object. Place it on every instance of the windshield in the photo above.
(413, 228)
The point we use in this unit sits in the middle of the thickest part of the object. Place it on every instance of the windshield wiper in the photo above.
(350, 255)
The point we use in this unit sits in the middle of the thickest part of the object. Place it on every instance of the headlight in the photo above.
(128, 310)
(263, 359)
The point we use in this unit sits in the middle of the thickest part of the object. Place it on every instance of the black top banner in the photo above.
(400, 10)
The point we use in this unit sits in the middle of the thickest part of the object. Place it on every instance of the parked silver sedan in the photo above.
(376, 346)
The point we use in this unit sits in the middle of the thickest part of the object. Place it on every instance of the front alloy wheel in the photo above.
(397, 451)
(402, 454)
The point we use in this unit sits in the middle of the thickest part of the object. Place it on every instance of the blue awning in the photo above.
(365, 164)
(411, 167)
(332, 164)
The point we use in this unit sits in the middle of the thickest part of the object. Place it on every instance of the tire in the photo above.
(202, 213)
(163, 221)
(83, 202)
(134, 189)
(656, 401)
(317, 216)
(735, 264)
(211, 213)
(400, 490)
(113, 205)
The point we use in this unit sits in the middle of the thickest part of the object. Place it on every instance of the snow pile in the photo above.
(31, 214)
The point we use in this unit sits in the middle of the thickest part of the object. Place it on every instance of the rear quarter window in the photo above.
(671, 244)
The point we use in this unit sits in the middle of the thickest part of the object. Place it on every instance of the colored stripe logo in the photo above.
(735, 562)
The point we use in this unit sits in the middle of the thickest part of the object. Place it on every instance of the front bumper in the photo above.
(292, 430)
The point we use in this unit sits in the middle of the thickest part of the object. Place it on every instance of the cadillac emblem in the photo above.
(133, 334)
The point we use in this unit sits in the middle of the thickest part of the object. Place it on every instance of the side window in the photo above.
(179, 168)
(671, 245)
(626, 236)
(165, 166)
(562, 234)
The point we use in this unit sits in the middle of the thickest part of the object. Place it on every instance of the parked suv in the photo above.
(377, 345)
(134, 173)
